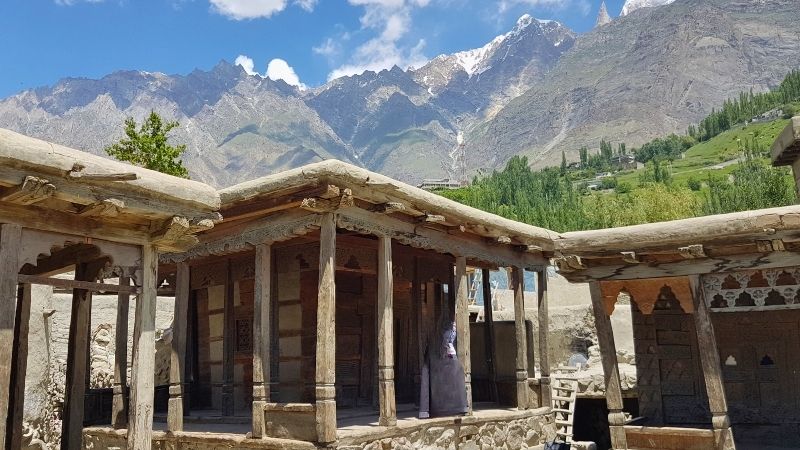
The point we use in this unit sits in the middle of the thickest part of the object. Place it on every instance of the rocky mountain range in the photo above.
(536, 90)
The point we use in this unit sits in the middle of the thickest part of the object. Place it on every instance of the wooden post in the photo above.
(177, 366)
(20, 363)
(228, 344)
(544, 327)
(10, 238)
(462, 325)
(488, 318)
(518, 285)
(325, 376)
(608, 354)
(262, 345)
(77, 363)
(140, 427)
(712, 369)
(388, 409)
(119, 405)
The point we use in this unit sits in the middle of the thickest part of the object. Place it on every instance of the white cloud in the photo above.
(278, 69)
(72, 2)
(328, 47)
(246, 63)
(581, 5)
(248, 9)
(308, 5)
(391, 19)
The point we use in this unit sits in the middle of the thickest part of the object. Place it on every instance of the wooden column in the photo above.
(228, 345)
(177, 365)
(325, 376)
(119, 405)
(77, 362)
(20, 366)
(712, 368)
(462, 325)
(140, 427)
(262, 346)
(544, 327)
(388, 409)
(10, 238)
(608, 354)
(518, 285)
(488, 318)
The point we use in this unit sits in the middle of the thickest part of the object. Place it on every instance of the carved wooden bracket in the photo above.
(569, 263)
(32, 190)
(769, 246)
(107, 208)
(178, 234)
(645, 292)
(432, 218)
(327, 205)
(630, 258)
(693, 251)
(389, 208)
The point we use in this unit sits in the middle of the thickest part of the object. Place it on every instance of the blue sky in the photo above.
(302, 41)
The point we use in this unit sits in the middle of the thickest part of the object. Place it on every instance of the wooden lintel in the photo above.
(32, 190)
(75, 284)
(693, 251)
(110, 207)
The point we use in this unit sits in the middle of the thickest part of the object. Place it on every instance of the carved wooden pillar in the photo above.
(462, 325)
(488, 318)
(518, 285)
(77, 362)
(119, 405)
(712, 369)
(544, 326)
(177, 366)
(262, 344)
(140, 427)
(386, 398)
(10, 239)
(20, 366)
(228, 345)
(608, 353)
(325, 377)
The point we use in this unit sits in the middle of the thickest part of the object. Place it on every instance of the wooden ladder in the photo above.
(565, 390)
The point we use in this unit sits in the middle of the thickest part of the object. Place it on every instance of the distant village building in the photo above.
(439, 183)
(623, 162)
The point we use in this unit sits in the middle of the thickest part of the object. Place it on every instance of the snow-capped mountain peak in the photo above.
(633, 5)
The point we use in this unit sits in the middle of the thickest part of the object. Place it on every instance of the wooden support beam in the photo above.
(488, 318)
(110, 207)
(462, 325)
(712, 369)
(32, 190)
(78, 174)
(10, 238)
(77, 362)
(228, 344)
(78, 284)
(325, 374)
(140, 428)
(518, 285)
(608, 354)
(386, 397)
(544, 331)
(177, 366)
(119, 404)
(262, 345)
(20, 366)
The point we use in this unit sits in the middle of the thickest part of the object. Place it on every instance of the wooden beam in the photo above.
(177, 366)
(462, 325)
(119, 404)
(712, 368)
(10, 238)
(20, 366)
(386, 397)
(78, 284)
(488, 318)
(262, 345)
(608, 355)
(325, 374)
(544, 331)
(518, 286)
(140, 428)
(78, 174)
(32, 190)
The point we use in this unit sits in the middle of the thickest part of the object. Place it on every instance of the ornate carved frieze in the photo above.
(646, 292)
(763, 289)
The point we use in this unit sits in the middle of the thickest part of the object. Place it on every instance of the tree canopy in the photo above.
(147, 146)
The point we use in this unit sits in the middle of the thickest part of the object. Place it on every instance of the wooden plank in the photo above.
(140, 428)
(119, 405)
(262, 345)
(325, 373)
(77, 362)
(228, 344)
(20, 366)
(10, 238)
(177, 367)
(386, 396)
(608, 354)
(518, 285)
(78, 284)
(488, 317)
(544, 330)
(462, 325)
(712, 369)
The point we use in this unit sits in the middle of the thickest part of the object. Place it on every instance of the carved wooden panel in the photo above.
(763, 289)
(647, 292)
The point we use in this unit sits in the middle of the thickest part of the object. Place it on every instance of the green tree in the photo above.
(563, 163)
(147, 147)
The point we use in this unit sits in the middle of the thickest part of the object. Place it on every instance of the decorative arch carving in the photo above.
(645, 293)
